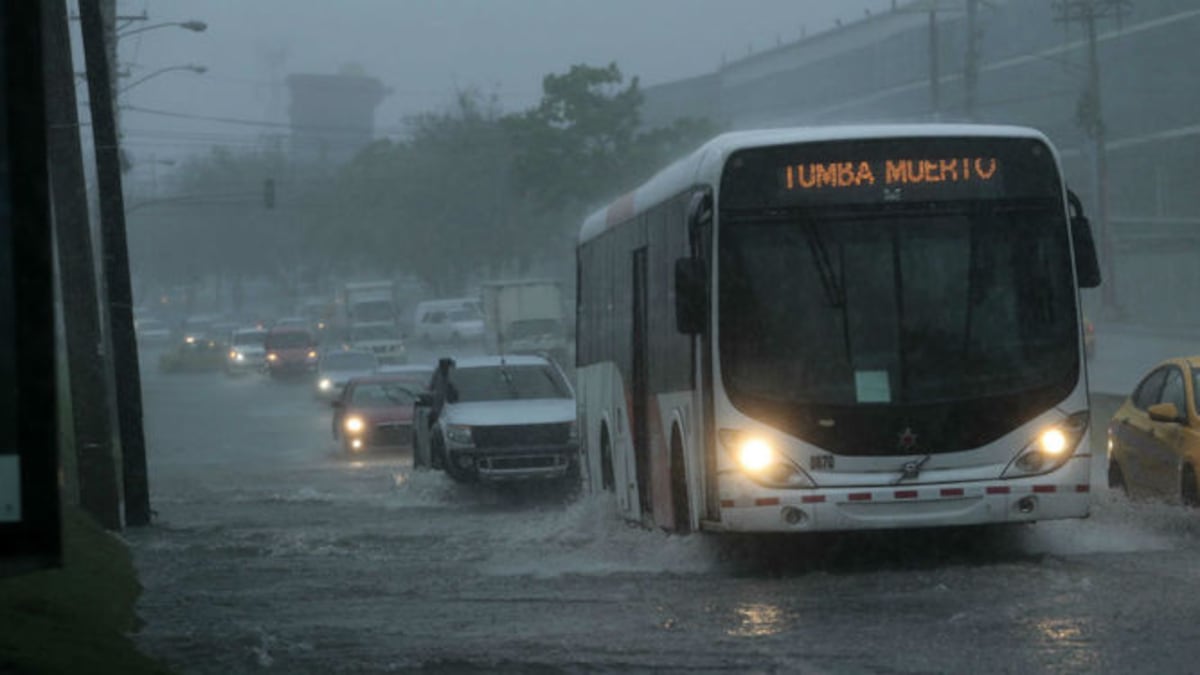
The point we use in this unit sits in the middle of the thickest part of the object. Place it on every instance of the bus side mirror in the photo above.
(690, 295)
(1087, 265)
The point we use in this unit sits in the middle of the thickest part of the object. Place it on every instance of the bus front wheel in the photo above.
(679, 493)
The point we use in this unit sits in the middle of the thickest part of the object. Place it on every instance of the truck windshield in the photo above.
(289, 339)
(501, 383)
(250, 338)
(373, 310)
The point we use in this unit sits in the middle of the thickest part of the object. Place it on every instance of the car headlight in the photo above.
(191, 339)
(459, 434)
(312, 355)
(758, 459)
(1053, 446)
(354, 424)
(325, 384)
(272, 356)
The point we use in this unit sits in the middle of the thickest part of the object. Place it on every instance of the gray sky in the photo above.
(425, 49)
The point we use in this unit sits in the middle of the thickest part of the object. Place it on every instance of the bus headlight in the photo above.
(354, 424)
(272, 357)
(754, 455)
(1051, 449)
(325, 384)
(761, 462)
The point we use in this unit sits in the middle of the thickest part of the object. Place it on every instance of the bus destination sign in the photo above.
(888, 173)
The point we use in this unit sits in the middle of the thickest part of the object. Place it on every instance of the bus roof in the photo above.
(704, 164)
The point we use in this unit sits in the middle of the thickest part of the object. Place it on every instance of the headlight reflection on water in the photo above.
(757, 620)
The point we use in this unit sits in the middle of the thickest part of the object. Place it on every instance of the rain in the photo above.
(547, 336)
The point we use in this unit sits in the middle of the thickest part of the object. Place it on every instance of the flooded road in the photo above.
(270, 553)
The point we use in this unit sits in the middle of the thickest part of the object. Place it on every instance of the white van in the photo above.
(454, 321)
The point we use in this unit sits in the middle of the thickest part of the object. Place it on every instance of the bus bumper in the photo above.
(1064, 493)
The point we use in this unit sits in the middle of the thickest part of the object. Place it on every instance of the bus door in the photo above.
(639, 424)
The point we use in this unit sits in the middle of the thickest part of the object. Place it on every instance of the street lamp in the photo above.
(192, 25)
(199, 70)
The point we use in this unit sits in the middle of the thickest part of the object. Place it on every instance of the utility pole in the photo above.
(931, 8)
(971, 60)
(1090, 116)
(98, 477)
(935, 75)
(97, 37)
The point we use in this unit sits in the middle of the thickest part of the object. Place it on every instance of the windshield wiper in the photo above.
(835, 295)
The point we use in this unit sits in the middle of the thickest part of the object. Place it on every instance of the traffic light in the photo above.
(269, 193)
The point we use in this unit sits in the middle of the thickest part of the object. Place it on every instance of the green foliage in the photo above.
(471, 192)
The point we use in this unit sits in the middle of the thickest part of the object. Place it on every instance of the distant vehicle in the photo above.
(193, 356)
(320, 314)
(151, 332)
(526, 316)
(498, 418)
(197, 327)
(337, 367)
(370, 302)
(1154, 437)
(247, 352)
(375, 413)
(840, 328)
(290, 351)
(382, 339)
(456, 321)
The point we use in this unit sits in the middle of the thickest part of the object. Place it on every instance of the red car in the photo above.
(375, 413)
(290, 351)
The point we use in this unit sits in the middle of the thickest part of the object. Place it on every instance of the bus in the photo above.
(839, 328)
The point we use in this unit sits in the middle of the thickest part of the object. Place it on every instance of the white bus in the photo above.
(839, 328)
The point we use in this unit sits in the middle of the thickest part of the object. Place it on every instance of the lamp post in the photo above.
(199, 70)
(192, 25)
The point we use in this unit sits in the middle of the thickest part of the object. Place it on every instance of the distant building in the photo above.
(1028, 67)
(332, 116)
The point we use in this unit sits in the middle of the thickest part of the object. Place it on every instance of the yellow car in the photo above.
(1154, 438)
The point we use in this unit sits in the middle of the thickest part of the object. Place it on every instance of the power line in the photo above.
(247, 122)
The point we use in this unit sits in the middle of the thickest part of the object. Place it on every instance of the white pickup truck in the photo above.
(491, 418)
(380, 338)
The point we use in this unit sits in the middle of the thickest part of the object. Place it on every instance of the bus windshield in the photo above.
(911, 308)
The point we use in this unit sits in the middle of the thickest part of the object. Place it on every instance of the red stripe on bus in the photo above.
(906, 494)
(859, 496)
(812, 499)
(767, 501)
(1043, 488)
(998, 489)
(952, 492)
(1083, 488)
(727, 503)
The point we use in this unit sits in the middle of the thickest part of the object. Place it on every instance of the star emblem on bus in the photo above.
(907, 439)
